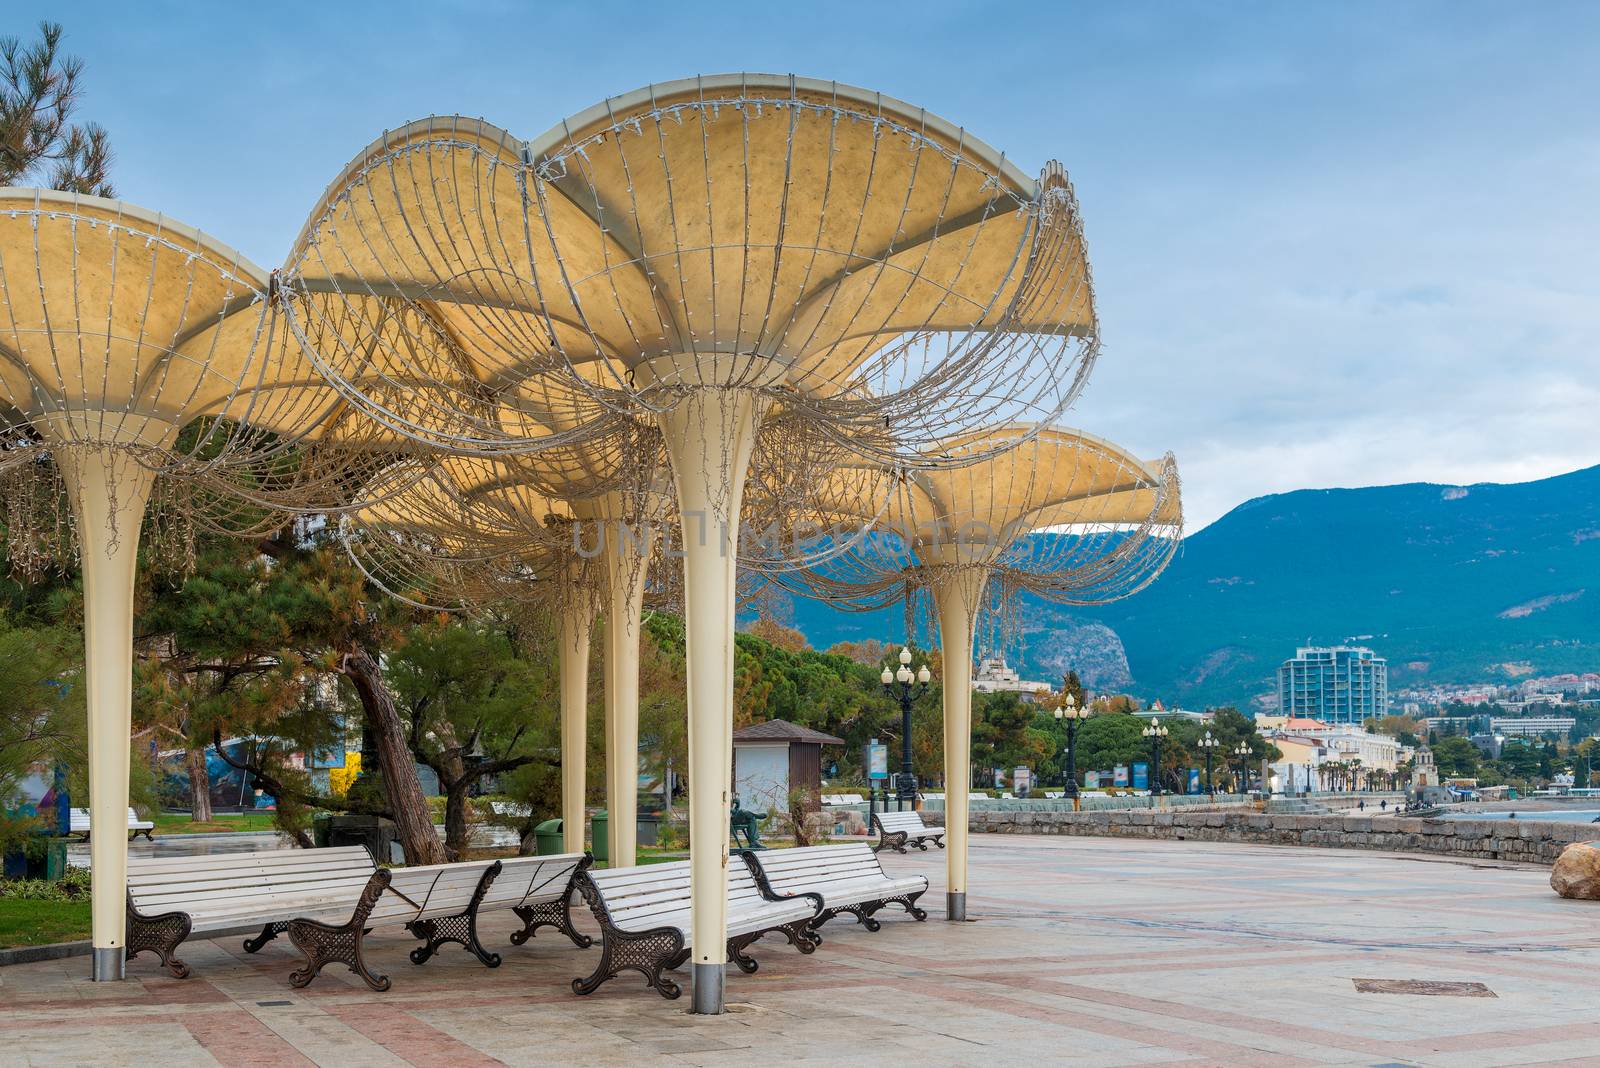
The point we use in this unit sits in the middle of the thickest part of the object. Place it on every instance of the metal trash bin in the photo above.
(597, 829)
(648, 828)
(547, 838)
(380, 836)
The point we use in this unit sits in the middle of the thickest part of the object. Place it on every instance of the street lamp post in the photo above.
(1069, 713)
(905, 687)
(1242, 751)
(1207, 745)
(1155, 732)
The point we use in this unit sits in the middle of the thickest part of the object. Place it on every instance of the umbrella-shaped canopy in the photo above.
(1061, 513)
(133, 346)
(851, 256)
(718, 252)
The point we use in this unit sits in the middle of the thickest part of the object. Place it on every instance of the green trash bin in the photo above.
(601, 848)
(547, 838)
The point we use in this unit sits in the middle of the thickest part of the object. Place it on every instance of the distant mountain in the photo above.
(1450, 583)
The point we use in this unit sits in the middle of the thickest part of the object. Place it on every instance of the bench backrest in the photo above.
(429, 891)
(792, 871)
(646, 896)
(901, 821)
(532, 880)
(242, 888)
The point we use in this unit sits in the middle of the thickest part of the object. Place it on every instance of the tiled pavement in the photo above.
(1084, 952)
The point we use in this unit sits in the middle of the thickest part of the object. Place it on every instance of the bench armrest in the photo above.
(766, 888)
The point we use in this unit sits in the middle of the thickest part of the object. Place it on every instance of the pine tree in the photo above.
(39, 142)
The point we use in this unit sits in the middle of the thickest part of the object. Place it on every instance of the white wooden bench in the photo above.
(170, 898)
(896, 830)
(79, 824)
(645, 924)
(440, 903)
(849, 879)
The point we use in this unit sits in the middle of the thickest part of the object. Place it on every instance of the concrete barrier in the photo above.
(1524, 840)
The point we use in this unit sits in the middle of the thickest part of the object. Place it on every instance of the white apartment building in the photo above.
(1531, 726)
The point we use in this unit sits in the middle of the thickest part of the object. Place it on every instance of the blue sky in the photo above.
(1335, 245)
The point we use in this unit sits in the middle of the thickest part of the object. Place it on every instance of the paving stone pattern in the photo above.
(1085, 951)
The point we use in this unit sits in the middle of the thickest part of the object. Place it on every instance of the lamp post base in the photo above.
(706, 996)
(955, 906)
(107, 964)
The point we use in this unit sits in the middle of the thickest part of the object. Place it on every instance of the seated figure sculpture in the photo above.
(748, 821)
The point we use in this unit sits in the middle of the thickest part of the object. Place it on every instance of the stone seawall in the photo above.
(1523, 840)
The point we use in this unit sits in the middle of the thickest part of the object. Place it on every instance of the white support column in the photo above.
(626, 555)
(577, 620)
(108, 492)
(709, 437)
(957, 594)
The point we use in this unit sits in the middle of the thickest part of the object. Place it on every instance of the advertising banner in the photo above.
(1120, 775)
(877, 761)
(1194, 780)
(1141, 776)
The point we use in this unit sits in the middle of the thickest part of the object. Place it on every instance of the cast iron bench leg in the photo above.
(647, 952)
(895, 841)
(160, 934)
(462, 927)
(801, 936)
(736, 952)
(557, 914)
(910, 903)
(268, 933)
(324, 943)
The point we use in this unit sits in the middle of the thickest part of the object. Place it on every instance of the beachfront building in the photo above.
(1307, 744)
(1334, 684)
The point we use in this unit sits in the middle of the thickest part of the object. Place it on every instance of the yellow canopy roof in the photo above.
(815, 240)
(119, 325)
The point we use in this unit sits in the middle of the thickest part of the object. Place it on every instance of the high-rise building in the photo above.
(1336, 684)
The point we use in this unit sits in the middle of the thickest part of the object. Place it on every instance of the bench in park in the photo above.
(441, 903)
(896, 830)
(79, 824)
(833, 800)
(848, 878)
(326, 900)
(644, 921)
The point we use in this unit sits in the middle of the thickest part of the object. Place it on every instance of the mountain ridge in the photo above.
(1451, 583)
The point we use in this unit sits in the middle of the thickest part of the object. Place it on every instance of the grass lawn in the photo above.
(37, 923)
(180, 823)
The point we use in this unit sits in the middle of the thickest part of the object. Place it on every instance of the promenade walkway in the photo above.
(1084, 952)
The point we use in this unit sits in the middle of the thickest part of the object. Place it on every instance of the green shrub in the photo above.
(72, 886)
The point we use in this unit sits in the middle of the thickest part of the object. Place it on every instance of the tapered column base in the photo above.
(955, 907)
(706, 997)
(108, 964)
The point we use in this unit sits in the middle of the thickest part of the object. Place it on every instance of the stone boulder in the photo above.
(1577, 871)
